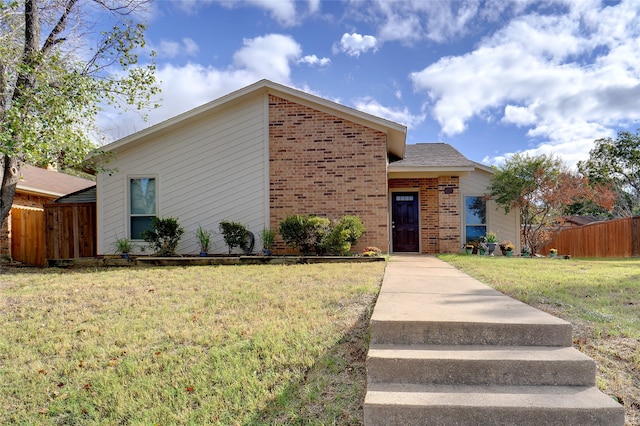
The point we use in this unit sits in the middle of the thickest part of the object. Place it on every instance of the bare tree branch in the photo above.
(53, 37)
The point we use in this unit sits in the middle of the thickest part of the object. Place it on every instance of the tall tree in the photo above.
(541, 187)
(52, 86)
(617, 162)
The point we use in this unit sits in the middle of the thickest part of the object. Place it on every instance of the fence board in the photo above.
(71, 230)
(613, 238)
(27, 235)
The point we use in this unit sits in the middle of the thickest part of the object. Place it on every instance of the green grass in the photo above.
(600, 297)
(198, 345)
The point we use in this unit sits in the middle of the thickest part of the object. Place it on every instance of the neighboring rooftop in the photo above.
(39, 181)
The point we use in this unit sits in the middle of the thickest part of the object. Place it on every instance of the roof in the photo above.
(580, 220)
(34, 180)
(433, 155)
(435, 159)
(396, 133)
(87, 195)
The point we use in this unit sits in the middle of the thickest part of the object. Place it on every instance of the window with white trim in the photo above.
(142, 205)
(475, 214)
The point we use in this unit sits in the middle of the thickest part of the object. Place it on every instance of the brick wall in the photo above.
(327, 166)
(439, 212)
(5, 234)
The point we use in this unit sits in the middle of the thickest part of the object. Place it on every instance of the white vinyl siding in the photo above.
(505, 225)
(211, 170)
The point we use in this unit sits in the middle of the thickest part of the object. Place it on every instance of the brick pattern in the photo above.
(439, 212)
(324, 165)
(5, 231)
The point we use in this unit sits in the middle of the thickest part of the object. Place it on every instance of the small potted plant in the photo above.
(553, 252)
(526, 251)
(124, 246)
(482, 246)
(204, 239)
(492, 240)
(268, 236)
(507, 248)
(468, 248)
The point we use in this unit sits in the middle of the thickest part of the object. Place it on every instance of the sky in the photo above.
(491, 78)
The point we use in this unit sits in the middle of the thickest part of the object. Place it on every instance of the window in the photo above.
(142, 205)
(475, 214)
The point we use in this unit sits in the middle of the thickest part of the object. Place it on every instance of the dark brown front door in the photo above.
(404, 221)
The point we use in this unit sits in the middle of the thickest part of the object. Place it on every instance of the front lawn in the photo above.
(197, 345)
(600, 297)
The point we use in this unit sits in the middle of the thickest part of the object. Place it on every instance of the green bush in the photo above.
(317, 234)
(354, 226)
(164, 235)
(235, 235)
(295, 233)
(319, 229)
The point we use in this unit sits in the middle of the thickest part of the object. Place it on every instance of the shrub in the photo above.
(318, 234)
(235, 235)
(295, 234)
(319, 230)
(164, 235)
(354, 226)
(337, 242)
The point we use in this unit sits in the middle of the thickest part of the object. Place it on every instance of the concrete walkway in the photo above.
(447, 349)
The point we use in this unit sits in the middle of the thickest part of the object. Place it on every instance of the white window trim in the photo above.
(128, 203)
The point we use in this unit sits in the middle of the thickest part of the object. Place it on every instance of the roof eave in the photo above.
(35, 191)
(413, 169)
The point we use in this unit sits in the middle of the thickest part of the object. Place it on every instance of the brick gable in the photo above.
(323, 165)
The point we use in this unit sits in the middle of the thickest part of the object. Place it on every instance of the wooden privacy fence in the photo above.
(27, 235)
(70, 230)
(613, 238)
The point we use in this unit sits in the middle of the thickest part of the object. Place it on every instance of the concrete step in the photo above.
(480, 365)
(394, 404)
(464, 319)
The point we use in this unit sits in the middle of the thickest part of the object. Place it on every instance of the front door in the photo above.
(405, 222)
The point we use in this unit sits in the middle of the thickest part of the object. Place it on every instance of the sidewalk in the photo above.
(446, 349)
(422, 289)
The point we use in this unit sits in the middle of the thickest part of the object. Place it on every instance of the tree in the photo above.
(52, 87)
(617, 162)
(541, 187)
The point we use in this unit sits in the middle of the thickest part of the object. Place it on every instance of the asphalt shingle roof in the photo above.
(48, 181)
(433, 155)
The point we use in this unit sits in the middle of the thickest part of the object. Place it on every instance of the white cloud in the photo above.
(568, 78)
(268, 56)
(414, 20)
(402, 116)
(170, 49)
(354, 44)
(520, 116)
(285, 12)
(314, 60)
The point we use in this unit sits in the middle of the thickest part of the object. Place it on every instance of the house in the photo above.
(22, 233)
(268, 151)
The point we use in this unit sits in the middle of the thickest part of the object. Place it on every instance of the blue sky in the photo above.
(489, 77)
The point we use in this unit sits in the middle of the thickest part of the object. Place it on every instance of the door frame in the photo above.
(413, 191)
